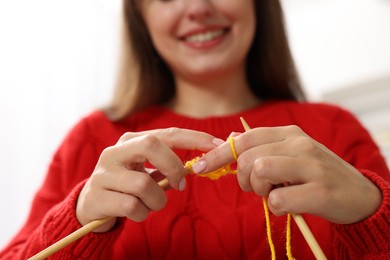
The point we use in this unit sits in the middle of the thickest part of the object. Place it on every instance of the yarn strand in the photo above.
(232, 147)
(288, 238)
(269, 230)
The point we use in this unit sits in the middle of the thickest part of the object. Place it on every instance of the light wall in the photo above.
(58, 61)
(342, 52)
(338, 44)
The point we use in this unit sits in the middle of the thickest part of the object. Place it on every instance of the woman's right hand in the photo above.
(120, 185)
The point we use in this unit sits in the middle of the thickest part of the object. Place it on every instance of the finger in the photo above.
(252, 162)
(138, 184)
(214, 159)
(123, 205)
(305, 198)
(265, 135)
(179, 138)
(149, 148)
(223, 155)
(281, 169)
(165, 160)
(267, 172)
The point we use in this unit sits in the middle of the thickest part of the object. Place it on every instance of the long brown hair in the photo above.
(145, 79)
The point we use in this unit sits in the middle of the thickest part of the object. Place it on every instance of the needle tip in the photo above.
(244, 124)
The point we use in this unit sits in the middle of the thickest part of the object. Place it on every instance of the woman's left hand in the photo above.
(298, 174)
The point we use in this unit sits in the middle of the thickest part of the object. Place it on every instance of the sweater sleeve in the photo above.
(369, 238)
(52, 215)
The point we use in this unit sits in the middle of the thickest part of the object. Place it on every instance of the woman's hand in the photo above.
(298, 174)
(120, 185)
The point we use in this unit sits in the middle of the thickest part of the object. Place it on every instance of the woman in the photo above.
(192, 68)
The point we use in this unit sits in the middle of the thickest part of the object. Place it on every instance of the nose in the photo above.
(199, 9)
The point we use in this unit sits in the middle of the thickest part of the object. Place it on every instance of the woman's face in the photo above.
(199, 39)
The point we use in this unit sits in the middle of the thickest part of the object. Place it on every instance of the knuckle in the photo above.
(261, 167)
(132, 209)
(143, 184)
(97, 177)
(277, 203)
(129, 206)
(243, 162)
(171, 131)
(243, 142)
(107, 152)
(126, 136)
(305, 144)
(294, 129)
(149, 142)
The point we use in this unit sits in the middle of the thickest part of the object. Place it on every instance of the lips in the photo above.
(205, 36)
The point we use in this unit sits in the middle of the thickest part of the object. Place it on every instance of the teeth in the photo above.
(206, 36)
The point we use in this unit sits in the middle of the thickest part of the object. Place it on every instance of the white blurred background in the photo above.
(58, 61)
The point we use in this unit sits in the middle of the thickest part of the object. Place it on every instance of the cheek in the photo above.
(161, 24)
(155, 26)
(242, 13)
(246, 14)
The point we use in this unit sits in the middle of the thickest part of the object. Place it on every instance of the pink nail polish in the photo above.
(199, 166)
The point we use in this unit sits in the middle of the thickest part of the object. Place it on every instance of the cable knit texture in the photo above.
(210, 219)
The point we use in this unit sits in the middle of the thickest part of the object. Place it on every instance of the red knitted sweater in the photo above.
(210, 219)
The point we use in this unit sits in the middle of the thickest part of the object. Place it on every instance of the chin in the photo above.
(208, 75)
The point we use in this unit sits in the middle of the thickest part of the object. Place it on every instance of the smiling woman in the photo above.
(151, 78)
(201, 49)
(189, 70)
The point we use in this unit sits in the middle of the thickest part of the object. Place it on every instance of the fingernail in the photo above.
(182, 184)
(273, 200)
(234, 134)
(199, 166)
(218, 141)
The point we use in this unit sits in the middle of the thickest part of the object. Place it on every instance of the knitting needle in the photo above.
(300, 221)
(69, 239)
(86, 229)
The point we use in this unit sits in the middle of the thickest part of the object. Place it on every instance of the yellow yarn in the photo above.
(288, 238)
(224, 170)
(268, 225)
(214, 175)
(232, 147)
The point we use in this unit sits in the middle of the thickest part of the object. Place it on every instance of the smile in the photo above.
(205, 36)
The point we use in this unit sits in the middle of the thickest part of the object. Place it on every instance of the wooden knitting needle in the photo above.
(85, 230)
(301, 223)
(69, 239)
